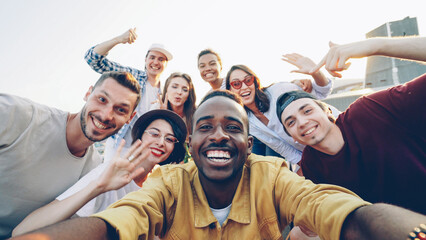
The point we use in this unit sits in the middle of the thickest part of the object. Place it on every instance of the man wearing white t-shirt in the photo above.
(44, 151)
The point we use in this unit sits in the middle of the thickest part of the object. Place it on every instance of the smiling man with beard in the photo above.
(43, 150)
(228, 193)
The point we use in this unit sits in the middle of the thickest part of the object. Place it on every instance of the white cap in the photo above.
(160, 48)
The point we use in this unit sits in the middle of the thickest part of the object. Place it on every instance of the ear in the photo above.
(330, 115)
(88, 93)
(131, 117)
(190, 144)
(249, 144)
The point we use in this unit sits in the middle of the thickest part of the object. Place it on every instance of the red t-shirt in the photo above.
(384, 155)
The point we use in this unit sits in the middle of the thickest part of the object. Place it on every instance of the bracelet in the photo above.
(418, 233)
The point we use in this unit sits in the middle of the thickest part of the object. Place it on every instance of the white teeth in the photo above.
(209, 74)
(98, 124)
(309, 131)
(218, 156)
(156, 151)
(155, 68)
(245, 94)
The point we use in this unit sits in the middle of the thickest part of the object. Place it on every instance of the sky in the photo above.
(43, 42)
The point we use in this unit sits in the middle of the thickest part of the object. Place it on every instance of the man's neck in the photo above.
(154, 80)
(332, 143)
(216, 83)
(220, 195)
(76, 141)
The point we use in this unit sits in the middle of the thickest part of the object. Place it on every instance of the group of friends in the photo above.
(260, 157)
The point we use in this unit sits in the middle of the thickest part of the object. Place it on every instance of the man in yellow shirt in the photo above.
(227, 193)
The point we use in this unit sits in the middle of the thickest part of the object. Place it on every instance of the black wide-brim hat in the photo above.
(178, 126)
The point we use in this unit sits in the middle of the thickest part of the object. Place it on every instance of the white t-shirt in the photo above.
(35, 162)
(221, 214)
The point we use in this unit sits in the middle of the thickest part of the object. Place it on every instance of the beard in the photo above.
(83, 125)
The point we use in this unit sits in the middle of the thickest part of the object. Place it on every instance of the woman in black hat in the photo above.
(158, 138)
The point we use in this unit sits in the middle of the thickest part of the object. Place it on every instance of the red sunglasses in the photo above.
(248, 80)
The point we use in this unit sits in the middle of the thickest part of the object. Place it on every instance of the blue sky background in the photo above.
(43, 42)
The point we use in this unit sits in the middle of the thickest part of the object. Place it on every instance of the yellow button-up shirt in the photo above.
(172, 205)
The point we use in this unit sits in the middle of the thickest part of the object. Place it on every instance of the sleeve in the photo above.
(15, 116)
(322, 208)
(101, 64)
(140, 214)
(405, 103)
(322, 92)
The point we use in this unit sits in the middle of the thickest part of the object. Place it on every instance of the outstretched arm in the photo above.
(128, 37)
(116, 175)
(380, 221)
(305, 65)
(410, 48)
(77, 228)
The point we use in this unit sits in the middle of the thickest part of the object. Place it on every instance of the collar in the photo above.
(240, 210)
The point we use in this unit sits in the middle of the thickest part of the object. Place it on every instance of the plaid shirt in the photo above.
(101, 64)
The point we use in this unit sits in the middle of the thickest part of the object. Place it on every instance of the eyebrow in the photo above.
(204, 118)
(171, 134)
(234, 119)
(121, 104)
(301, 108)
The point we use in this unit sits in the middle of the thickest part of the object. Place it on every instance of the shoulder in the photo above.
(18, 114)
(174, 176)
(265, 164)
(281, 87)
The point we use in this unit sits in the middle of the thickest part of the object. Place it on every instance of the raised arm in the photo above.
(409, 48)
(97, 60)
(127, 37)
(116, 175)
(305, 65)
(381, 221)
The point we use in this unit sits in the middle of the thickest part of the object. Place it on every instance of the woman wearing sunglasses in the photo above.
(158, 138)
(259, 102)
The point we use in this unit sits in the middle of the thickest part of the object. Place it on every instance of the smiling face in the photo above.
(108, 107)
(306, 122)
(220, 143)
(155, 62)
(155, 134)
(209, 67)
(247, 93)
(178, 91)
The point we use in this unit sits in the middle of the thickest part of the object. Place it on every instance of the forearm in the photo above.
(411, 48)
(77, 228)
(105, 47)
(380, 221)
(320, 79)
(57, 211)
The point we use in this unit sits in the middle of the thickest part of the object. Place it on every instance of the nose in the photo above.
(302, 122)
(219, 135)
(243, 85)
(107, 114)
(160, 141)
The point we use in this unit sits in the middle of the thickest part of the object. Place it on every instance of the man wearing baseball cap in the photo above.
(155, 62)
(376, 148)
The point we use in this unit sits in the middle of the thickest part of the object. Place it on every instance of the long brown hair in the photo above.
(189, 105)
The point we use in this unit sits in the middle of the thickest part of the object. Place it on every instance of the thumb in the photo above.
(332, 44)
